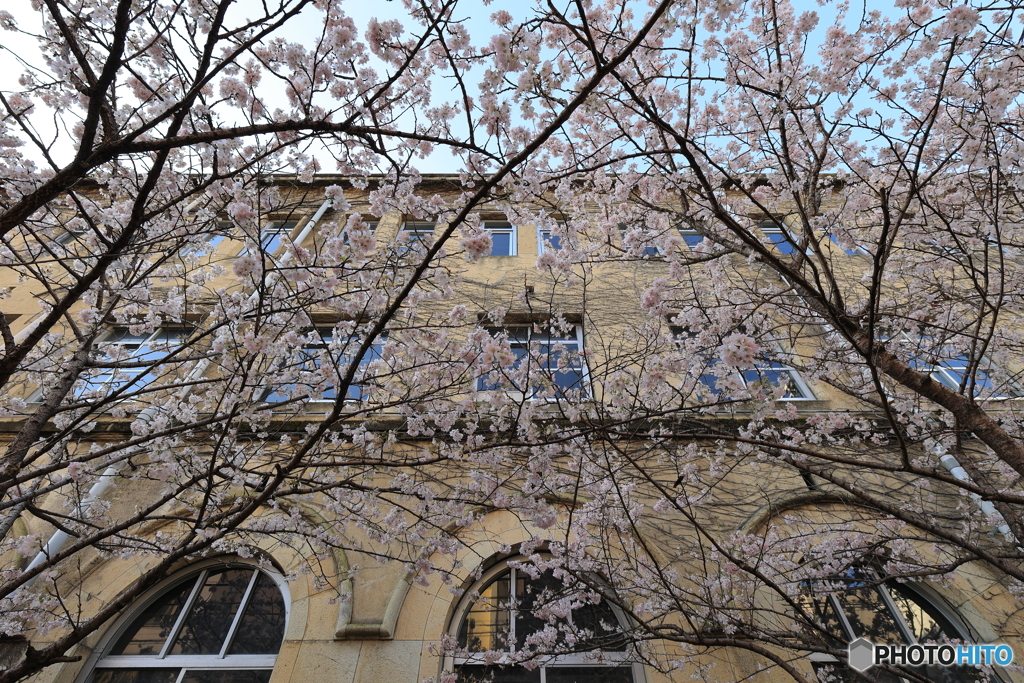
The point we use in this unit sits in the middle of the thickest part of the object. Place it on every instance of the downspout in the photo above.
(951, 464)
(59, 538)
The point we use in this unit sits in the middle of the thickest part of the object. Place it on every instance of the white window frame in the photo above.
(543, 235)
(415, 229)
(769, 226)
(273, 232)
(325, 339)
(584, 387)
(609, 658)
(856, 251)
(759, 365)
(646, 252)
(210, 242)
(222, 661)
(131, 374)
(941, 372)
(689, 232)
(504, 228)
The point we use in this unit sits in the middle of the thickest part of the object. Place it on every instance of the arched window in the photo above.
(221, 624)
(861, 605)
(508, 606)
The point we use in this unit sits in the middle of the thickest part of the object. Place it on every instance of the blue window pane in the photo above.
(692, 239)
(650, 251)
(551, 241)
(568, 378)
(503, 381)
(501, 244)
(781, 242)
(851, 252)
(308, 360)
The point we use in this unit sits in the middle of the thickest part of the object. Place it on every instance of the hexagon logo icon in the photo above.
(860, 654)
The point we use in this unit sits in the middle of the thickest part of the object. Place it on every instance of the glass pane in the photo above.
(227, 676)
(868, 615)
(532, 595)
(571, 376)
(589, 674)
(551, 241)
(135, 675)
(207, 623)
(150, 629)
(497, 674)
(502, 379)
(501, 244)
(928, 625)
(600, 621)
(261, 628)
(781, 242)
(692, 239)
(487, 623)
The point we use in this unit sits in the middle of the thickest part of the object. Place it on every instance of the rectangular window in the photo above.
(953, 373)
(309, 374)
(691, 237)
(547, 241)
(208, 243)
(856, 251)
(503, 238)
(270, 237)
(636, 245)
(137, 353)
(546, 365)
(415, 235)
(781, 238)
(769, 371)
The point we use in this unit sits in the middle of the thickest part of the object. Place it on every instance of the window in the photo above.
(769, 372)
(637, 243)
(691, 237)
(546, 240)
(208, 243)
(857, 250)
(546, 365)
(953, 374)
(950, 367)
(222, 624)
(310, 373)
(137, 354)
(500, 614)
(859, 605)
(415, 234)
(270, 238)
(503, 238)
(784, 241)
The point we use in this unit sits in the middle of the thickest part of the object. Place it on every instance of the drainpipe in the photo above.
(951, 464)
(105, 480)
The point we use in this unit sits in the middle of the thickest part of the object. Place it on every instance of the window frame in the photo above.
(506, 228)
(416, 232)
(263, 662)
(274, 231)
(881, 588)
(135, 373)
(677, 332)
(325, 338)
(583, 384)
(943, 371)
(609, 658)
(544, 242)
(789, 245)
(685, 233)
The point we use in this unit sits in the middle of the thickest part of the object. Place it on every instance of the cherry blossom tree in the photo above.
(790, 237)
